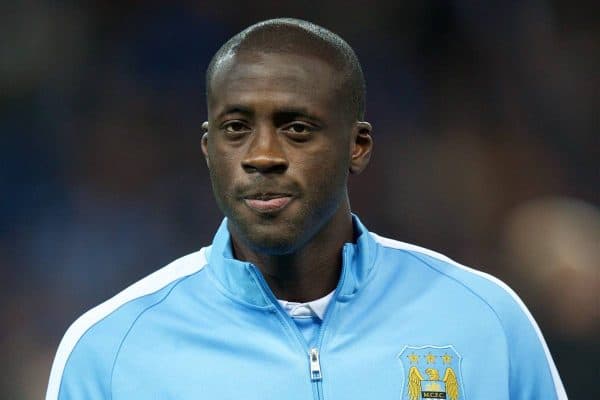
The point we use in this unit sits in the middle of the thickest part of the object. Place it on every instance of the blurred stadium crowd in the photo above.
(486, 150)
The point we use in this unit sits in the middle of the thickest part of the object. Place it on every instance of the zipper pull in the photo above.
(315, 365)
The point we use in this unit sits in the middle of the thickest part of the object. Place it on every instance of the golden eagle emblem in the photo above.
(424, 365)
(432, 388)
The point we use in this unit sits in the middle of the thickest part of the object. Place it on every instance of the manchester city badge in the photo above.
(431, 372)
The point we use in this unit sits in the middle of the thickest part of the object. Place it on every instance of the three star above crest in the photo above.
(430, 358)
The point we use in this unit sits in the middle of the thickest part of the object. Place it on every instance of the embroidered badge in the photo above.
(431, 372)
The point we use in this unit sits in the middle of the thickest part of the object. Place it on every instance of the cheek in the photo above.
(323, 171)
(223, 161)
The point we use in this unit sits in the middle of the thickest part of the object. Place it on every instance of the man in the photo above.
(295, 299)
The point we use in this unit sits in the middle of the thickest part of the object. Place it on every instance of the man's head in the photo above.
(294, 36)
(285, 101)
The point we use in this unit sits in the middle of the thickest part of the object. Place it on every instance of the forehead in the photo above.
(268, 78)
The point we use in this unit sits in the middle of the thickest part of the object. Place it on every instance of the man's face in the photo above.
(279, 148)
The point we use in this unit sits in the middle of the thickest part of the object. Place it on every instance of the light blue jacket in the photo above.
(404, 323)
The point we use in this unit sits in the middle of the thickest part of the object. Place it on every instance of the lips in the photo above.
(267, 202)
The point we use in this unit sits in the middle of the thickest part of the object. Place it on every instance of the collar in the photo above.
(312, 308)
(244, 282)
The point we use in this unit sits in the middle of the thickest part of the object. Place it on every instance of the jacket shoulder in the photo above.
(532, 368)
(498, 296)
(84, 359)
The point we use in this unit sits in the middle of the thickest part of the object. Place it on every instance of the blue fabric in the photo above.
(401, 321)
(309, 327)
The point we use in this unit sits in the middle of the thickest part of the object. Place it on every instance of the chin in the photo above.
(278, 234)
(272, 244)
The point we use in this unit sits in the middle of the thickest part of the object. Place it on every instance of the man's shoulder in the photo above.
(530, 359)
(137, 297)
(476, 284)
(95, 336)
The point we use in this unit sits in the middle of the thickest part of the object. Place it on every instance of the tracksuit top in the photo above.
(403, 323)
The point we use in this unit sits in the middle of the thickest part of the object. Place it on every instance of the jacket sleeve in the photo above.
(87, 354)
(532, 374)
(82, 367)
(84, 360)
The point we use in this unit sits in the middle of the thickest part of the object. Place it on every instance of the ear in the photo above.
(204, 142)
(361, 146)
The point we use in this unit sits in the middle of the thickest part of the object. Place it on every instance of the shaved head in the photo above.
(294, 36)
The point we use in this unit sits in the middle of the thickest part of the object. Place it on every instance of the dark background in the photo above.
(486, 149)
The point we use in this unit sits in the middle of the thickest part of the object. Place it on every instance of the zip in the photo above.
(315, 365)
(316, 375)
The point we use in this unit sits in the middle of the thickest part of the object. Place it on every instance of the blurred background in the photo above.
(486, 134)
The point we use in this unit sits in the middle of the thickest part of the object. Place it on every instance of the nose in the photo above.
(265, 153)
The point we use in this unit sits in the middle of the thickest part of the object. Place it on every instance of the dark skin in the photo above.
(280, 144)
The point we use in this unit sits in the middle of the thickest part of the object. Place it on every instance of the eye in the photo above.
(234, 127)
(299, 130)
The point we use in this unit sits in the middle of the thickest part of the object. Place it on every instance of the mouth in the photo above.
(267, 202)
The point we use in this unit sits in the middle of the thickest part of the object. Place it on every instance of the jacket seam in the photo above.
(104, 318)
(137, 318)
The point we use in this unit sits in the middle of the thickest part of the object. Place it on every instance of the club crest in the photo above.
(431, 372)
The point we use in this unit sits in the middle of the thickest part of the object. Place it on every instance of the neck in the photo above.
(312, 271)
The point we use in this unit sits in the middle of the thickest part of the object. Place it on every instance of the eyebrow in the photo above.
(283, 112)
(236, 109)
(288, 114)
